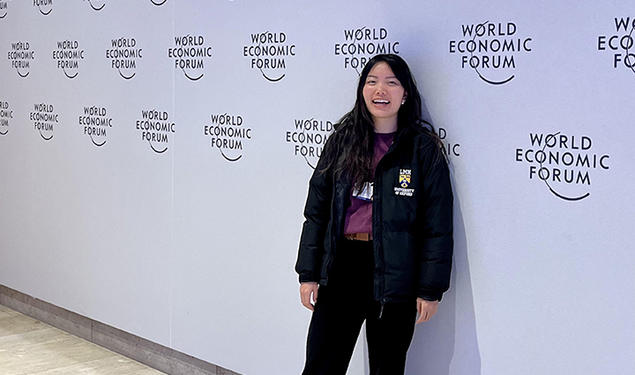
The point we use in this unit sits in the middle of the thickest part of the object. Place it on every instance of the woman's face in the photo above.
(383, 93)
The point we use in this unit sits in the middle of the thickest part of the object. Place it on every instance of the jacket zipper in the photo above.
(382, 297)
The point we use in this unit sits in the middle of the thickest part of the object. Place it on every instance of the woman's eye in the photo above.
(370, 82)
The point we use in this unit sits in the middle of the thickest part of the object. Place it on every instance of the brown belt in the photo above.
(359, 236)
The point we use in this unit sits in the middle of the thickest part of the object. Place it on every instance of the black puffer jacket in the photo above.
(412, 221)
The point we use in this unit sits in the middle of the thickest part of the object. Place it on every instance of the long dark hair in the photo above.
(349, 152)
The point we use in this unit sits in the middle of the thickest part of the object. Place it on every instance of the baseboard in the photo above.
(145, 351)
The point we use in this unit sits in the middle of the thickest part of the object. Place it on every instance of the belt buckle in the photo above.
(359, 236)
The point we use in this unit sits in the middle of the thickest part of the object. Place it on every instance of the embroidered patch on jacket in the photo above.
(405, 176)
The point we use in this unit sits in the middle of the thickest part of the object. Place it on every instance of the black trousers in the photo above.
(341, 308)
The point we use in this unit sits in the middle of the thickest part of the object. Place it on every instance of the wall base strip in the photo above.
(145, 351)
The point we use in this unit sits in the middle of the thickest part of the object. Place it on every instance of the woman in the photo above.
(377, 240)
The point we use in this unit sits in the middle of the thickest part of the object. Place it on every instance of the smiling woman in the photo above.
(377, 240)
(383, 96)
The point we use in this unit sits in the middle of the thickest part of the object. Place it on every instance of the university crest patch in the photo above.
(403, 189)
(404, 179)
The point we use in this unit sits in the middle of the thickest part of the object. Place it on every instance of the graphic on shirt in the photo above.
(366, 193)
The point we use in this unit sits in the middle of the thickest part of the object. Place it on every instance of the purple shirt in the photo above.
(359, 215)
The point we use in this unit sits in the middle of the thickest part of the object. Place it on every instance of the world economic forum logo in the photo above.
(360, 44)
(491, 50)
(4, 9)
(44, 6)
(228, 134)
(308, 137)
(189, 54)
(620, 44)
(566, 164)
(269, 53)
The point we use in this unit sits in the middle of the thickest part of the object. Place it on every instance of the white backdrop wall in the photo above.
(189, 239)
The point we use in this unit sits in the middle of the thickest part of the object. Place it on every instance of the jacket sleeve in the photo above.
(435, 212)
(317, 213)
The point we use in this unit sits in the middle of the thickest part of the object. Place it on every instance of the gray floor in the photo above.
(28, 346)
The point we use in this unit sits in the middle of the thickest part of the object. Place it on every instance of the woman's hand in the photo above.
(426, 309)
(307, 290)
